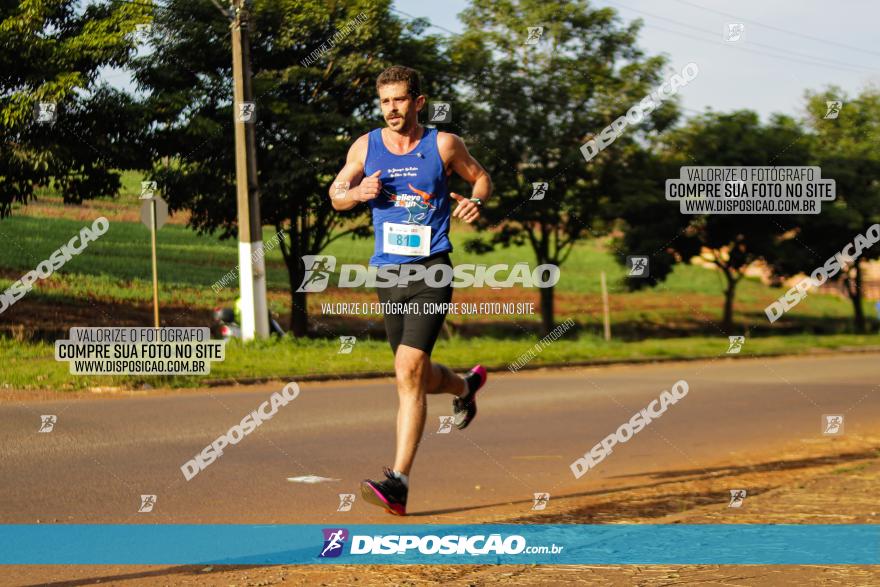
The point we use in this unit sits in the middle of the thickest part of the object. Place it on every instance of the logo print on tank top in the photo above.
(417, 204)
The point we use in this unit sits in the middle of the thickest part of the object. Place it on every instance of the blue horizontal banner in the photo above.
(566, 544)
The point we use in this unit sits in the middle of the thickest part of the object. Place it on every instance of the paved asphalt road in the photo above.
(104, 453)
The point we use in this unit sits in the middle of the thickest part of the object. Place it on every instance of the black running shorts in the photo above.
(416, 329)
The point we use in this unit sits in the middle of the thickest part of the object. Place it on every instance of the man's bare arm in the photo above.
(457, 157)
(352, 175)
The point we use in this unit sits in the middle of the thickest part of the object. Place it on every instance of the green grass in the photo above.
(131, 186)
(32, 366)
(851, 469)
(116, 268)
(186, 258)
(131, 183)
(123, 252)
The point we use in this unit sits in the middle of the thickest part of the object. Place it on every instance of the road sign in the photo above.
(161, 212)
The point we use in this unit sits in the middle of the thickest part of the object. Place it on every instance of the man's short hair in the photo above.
(400, 73)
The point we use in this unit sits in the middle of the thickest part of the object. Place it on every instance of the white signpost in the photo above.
(154, 213)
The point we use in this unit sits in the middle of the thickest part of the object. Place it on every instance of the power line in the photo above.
(757, 52)
(436, 26)
(225, 13)
(807, 59)
(775, 28)
(771, 47)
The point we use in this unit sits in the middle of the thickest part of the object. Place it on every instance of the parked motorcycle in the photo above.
(225, 324)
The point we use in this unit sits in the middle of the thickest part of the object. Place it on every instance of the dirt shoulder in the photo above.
(817, 482)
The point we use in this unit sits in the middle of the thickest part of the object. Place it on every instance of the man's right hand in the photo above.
(369, 188)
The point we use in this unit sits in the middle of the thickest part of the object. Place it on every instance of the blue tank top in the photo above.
(414, 193)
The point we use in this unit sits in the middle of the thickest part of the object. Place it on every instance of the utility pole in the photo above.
(606, 315)
(153, 228)
(252, 270)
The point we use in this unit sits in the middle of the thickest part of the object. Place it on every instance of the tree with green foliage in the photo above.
(52, 53)
(533, 98)
(655, 227)
(845, 147)
(314, 70)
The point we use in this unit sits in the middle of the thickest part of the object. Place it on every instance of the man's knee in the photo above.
(410, 367)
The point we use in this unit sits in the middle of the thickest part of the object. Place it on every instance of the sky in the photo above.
(786, 47)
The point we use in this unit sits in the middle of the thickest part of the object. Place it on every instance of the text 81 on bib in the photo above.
(407, 239)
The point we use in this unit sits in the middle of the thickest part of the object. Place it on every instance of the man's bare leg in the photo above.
(416, 377)
(443, 380)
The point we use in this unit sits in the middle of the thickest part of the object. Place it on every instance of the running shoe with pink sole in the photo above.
(389, 494)
(465, 410)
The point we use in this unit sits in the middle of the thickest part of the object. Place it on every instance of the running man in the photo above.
(393, 169)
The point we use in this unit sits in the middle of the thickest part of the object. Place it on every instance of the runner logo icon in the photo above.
(534, 35)
(318, 271)
(147, 503)
(734, 32)
(833, 424)
(833, 109)
(541, 500)
(446, 423)
(340, 188)
(45, 112)
(737, 497)
(346, 500)
(539, 190)
(638, 266)
(439, 112)
(47, 423)
(334, 540)
(246, 111)
(736, 344)
(346, 344)
(148, 190)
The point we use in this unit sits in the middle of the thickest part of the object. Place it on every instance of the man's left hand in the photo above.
(466, 210)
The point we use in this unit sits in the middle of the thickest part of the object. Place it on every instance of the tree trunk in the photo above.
(546, 310)
(729, 295)
(299, 316)
(855, 295)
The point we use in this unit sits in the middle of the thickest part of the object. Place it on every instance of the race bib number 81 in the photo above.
(407, 239)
